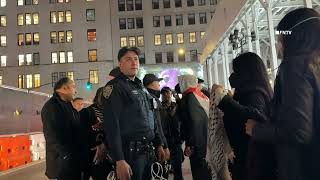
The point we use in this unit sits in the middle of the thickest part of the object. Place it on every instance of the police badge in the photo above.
(107, 91)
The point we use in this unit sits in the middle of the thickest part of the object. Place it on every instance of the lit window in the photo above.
(132, 41)
(53, 17)
(140, 41)
(70, 75)
(92, 55)
(0, 80)
(21, 81)
(180, 38)
(91, 14)
(192, 37)
(121, 5)
(91, 33)
(68, 16)
(3, 61)
(156, 21)
(191, 19)
(69, 36)
(20, 2)
(167, 20)
(20, 20)
(29, 59)
(202, 34)
(67, 1)
(61, 36)
(53, 37)
(203, 18)
(93, 76)
(62, 57)
(54, 77)
(21, 59)
(35, 18)
(122, 23)
(129, 5)
(130, 23)
(3, 21)
(3, 39)
(36, 38)
(35, 2)
(28, 19)
(37, 81)
(123, 41)
(60, 1)
(70, 56)
(60, 16)
(168, 39)
(36, 58)
(157, 39)
(54, 58)
(3, 3)
(181, 57)
(20, 39)
(179, 20)
(29, 80)
(158, 57)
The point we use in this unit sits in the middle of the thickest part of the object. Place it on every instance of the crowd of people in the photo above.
(134, 129)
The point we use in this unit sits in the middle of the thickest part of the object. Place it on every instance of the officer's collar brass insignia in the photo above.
(107, 91)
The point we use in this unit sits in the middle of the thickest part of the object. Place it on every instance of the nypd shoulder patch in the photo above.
(107, 90)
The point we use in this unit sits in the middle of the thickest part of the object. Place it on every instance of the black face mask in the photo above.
(234, 80)
(154, 93)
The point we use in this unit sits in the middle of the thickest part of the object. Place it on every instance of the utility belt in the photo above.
(140, 146)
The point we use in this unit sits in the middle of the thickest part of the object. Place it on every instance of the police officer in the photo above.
(129, 123)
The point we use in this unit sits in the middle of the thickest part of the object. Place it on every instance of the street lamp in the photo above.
(181, 51)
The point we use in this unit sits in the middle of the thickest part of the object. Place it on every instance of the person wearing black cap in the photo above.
(130, 128)
(203, 89)
(171, 129)
(151, 82)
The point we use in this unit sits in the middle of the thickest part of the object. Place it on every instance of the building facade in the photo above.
(44, 40)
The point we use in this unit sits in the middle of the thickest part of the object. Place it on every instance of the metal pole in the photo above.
(224, 69)
(226, 54)
(216, 71)
(255, 27)
(274, 58)
(308, 3)
(248, 29)
(210, 73)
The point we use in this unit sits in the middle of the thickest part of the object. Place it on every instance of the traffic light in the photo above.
(89, 86)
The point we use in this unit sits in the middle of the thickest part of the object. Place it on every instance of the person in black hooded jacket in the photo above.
(151, 82)
(251, 99)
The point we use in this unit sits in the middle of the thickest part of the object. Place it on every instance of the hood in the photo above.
(187, 81)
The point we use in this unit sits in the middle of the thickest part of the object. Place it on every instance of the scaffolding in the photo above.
(241, 26)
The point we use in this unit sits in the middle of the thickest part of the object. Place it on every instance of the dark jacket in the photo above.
(128, 115)
(62, 131)
(295, 120)
(194, 123)
(157, 118)
(170, 124)
(254, 161)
